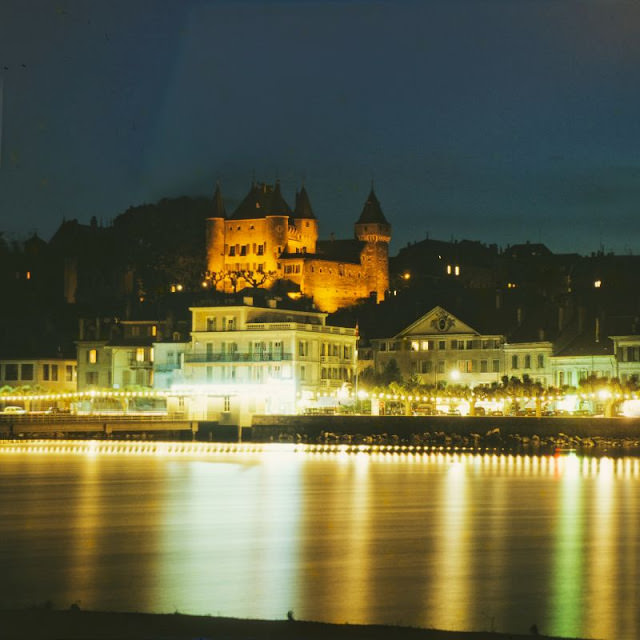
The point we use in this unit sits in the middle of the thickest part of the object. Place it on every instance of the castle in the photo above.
(263, 241)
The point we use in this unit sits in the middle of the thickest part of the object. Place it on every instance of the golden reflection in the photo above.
(450, 580)
(85, 551)
(565, 602)
(602, 586)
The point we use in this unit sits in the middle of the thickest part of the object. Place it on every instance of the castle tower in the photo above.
(305, 222)
(374, 229)
(215, 234)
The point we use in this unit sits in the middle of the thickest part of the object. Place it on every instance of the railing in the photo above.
(290, 326)
(140, 364)
(195, 358)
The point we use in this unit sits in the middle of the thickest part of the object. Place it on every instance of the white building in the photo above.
(247, 359)
(532, 359)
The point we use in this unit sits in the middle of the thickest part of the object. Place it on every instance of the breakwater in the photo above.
(509, 434)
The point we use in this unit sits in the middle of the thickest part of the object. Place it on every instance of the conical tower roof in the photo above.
(218, 211)
(303, 205)
(372, 213)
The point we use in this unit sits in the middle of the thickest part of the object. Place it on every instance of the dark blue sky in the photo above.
(502, 121)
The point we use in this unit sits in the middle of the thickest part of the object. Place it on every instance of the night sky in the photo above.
(501, 121)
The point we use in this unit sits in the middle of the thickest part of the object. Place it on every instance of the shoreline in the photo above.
(75, 624)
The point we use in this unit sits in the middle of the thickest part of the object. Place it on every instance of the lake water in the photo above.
(466, 542)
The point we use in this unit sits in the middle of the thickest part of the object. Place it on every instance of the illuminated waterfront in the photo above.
(444, 540)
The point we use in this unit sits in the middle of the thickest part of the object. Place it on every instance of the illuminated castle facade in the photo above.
(263, 240)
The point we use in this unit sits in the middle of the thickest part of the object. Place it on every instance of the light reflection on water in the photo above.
(446, 540)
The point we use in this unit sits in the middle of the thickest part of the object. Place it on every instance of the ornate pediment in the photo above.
(438, 321)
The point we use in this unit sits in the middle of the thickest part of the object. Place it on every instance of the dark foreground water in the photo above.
(453, 542)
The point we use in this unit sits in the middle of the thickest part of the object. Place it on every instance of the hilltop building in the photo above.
(263, 240)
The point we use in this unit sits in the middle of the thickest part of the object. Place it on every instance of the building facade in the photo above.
(439, 349)
(49, 375)
(532, 359)
(126, 354)
(247, 359)
(263, 241)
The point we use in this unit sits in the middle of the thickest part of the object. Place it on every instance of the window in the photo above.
(211, 323)
(45, 372)
(154, 330)
(427, 345)
(465, 366)
(68, 373)
(426, 366)
(469, 344)
(495, 366)
(54, 372)
(527, 362)
(540, 361)
(514, 362)
(415, 345)
(440, 366)
(442, 345)
(140, 354)
(11, 371)
(91, 377)
(232, 250)
(454, 344)
(303, 373)
(484, 366)
(92, 356)
(26, 372)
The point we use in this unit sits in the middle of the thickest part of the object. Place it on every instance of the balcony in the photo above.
(140, 364)
(205, 358)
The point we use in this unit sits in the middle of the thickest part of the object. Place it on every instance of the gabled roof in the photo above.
(372, 213)
(261, 201)
(438, 321)
(303, 205)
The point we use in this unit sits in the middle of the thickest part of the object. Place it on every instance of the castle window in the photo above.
(243, 250)
(232, 250)
(238, 228)
(260, 249)
(251, 227)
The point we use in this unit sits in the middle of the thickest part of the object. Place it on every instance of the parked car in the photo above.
(14, 410)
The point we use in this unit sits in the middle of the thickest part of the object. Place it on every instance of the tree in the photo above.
(258, 278)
